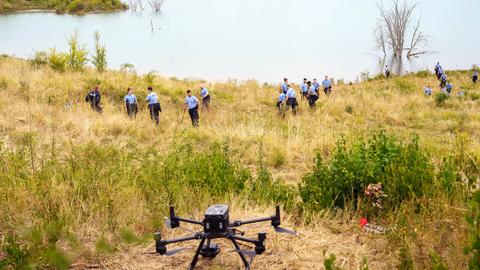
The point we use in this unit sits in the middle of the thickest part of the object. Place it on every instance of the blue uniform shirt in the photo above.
(304, 87)
(427, 91)
(284, 87)
(326, 83)
(449, 86)
(444, 77)
(152, 98)
(130, 99)
(312, 90)
(282, 97)
(191, 102)
(475, 73)
(204, 92)
(316, 85)
(291, 93)
(438, 67)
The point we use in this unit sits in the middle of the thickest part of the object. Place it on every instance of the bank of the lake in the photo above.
(63, 6)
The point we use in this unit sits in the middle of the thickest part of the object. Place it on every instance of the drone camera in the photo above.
(216, 219)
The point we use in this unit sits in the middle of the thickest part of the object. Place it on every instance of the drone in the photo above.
(216, 224)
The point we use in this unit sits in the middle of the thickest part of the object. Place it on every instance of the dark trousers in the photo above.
(312, 99)
(387, 74)
(475, 79)
(96, 106)
(132, 110)
(327, 90)
(292, 102)
(206, 102)
(194, 116)
(443, 83)
(155, 112)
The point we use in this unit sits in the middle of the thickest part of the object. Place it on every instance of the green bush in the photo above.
(77, 55)
(100, 57)
(39, 59)
(57, 60)
(403, 170)
(440, 98)
(404, 84)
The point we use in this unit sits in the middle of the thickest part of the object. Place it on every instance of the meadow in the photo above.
(80, 188)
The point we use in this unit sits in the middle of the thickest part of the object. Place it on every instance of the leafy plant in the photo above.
(100, 57)
(77, 54)
(473, 220)
(440, 98)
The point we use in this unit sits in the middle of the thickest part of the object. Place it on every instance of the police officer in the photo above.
(443, 80)
(316, 85)
(312, 94)
(304, 88)
(387, 72)
(153, 105)
(327, 86)
(438, 67)
(449, 87)
(285, 85)
(475, 76)
(205, 98)
(131, 103)
(282, 98)
(191, 103)
(292, 99)
(94, 97)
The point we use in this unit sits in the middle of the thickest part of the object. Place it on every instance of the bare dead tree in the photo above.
(418, 41)
(393, 29)
(156, 5)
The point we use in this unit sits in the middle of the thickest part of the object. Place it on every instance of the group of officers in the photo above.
(445, 85)
(309, 91)
(191, 103)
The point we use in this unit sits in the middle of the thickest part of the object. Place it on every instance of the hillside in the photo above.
(84, 188)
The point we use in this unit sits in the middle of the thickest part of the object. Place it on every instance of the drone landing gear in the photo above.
(211, 250)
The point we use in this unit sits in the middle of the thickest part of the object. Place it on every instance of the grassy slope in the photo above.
(243, 113)
(77, 6)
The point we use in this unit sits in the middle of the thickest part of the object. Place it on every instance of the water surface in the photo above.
(259, 39)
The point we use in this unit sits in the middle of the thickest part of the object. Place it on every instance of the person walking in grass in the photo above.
(285, 85)
(191, 103)
(443, 80)
(475, 76)
(312, 95)
(438, 67)
(316, 85)
(327, 86)
(304, 88)
(153, 105)
(387, 72)
(449, 87)
(292, 99)
(427, 91)
(282, 98)
(131, 104)
(205, 98)
(94, 98)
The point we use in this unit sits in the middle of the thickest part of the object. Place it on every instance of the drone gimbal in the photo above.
(216, 225)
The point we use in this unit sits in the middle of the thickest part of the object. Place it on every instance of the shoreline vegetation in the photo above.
(62, 6)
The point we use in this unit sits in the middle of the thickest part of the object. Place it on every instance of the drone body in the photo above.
(216, 224)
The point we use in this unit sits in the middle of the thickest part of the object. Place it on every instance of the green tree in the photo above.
(100, 57)
(77, 55)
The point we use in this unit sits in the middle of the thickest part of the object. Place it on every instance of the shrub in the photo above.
(76, 6)
(404, 85)
(39, 59)
(77, 55)
(100, 57)
(403, 170)
(57, 60)
(440, 98)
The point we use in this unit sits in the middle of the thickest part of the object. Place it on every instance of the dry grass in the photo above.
(244, 114)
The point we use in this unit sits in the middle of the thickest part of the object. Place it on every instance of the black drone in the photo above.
(216, 224)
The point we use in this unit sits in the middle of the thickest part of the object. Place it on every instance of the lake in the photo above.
(249, 39)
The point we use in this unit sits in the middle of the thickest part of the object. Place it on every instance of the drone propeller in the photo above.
(175, 251)
(283, 230)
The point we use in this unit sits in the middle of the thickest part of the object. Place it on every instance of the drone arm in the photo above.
(244, 239)
(160, 245)
(274, 219)
(189, 221)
